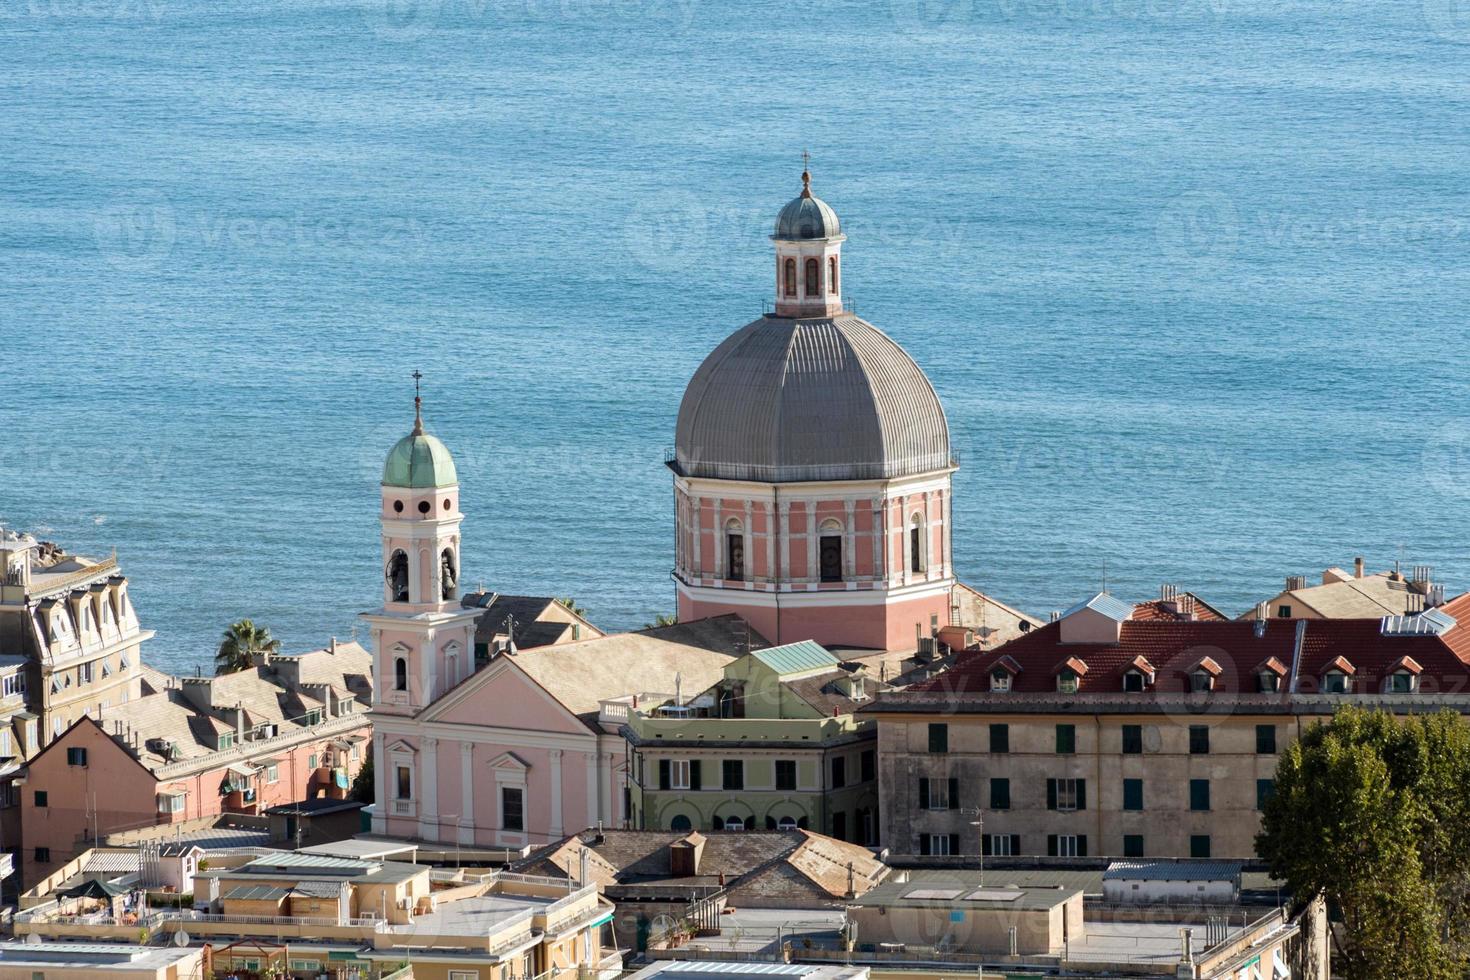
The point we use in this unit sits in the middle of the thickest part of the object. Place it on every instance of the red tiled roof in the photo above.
(1074, 664)
(1166, 609)
(1343, 664)
(1240, 648)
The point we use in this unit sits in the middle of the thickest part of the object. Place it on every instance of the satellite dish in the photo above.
(33, 937)
(181, 938)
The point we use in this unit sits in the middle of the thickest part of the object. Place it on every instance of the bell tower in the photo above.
(423, 639)
(808, 241)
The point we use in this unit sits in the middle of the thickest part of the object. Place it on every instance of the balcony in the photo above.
(617, 711)
(404, 808)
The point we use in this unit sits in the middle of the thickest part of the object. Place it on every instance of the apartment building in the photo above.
(1110, 734)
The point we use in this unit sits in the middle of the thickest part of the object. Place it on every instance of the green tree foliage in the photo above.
(661, 620)
(363, 790)
(571, 604)
(245, 645)
(1371, 812)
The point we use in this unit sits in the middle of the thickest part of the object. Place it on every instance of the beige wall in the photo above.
(1166, 767)
(1039, 932)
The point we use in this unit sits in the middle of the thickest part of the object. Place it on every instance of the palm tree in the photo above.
(244, 645)
(662, 619)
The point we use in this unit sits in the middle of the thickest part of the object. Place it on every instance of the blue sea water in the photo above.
(1190, 277)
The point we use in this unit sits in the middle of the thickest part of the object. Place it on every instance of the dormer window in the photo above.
(1000, 680)
(1336, 682)
(1201, 681)
(1268, 682)
(1134, 681)
(1402, 682)
(1067, 681)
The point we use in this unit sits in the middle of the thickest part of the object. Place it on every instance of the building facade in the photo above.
(812, 467)
(774, 745)
(1105, 735)
(238, 743)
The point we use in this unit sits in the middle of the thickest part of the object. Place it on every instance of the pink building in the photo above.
(812, 467)
(294, 729)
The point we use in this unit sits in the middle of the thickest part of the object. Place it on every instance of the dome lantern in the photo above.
(808, 240)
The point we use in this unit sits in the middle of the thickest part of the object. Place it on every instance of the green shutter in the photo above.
(1051, 795)
(923, 794)
(1082, 845)
(923, 845)
(694, 780)
(954, 793)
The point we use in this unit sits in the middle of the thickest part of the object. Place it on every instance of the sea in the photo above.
(1191, 277)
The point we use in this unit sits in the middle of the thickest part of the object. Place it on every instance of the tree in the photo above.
(363, 789)
(571, 604)
(245, 645)
(1367, 811)
(661, 620)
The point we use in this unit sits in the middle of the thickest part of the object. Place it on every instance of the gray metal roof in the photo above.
(828, 398)
(806, 218)
(1173, 871)
(1108, 605)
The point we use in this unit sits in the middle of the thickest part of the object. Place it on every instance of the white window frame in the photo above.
(678, 773)
(1066, 796)
(272, 774)
(464, 975)
(1067, 682)
(939, 794)
(170, 803)
(939, 845)
(1000, 845)
(1067, 845)
(1412, 678)
(1000, 681)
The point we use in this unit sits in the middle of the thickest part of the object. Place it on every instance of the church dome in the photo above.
(806, 217)
(419, 461)
(788, 399)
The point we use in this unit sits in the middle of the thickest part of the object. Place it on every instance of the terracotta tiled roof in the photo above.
(1238, 648)
(1170, 609)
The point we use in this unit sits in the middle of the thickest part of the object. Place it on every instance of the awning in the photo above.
(238, 769)
(260, 764)
(172, 792)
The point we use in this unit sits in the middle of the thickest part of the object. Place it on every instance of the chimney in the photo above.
(1358, 567)
(332, 647)
(1295, 582)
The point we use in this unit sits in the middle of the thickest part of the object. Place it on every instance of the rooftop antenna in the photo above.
(418, 404)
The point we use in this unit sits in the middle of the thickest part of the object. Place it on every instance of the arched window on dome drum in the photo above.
(917, 563)
(832, 275)
(734, 551)
(829, 551)
(400, 674)
(790, 277)
(813, 277)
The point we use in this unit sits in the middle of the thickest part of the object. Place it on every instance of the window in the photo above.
(1001, 845)
(673, 774)
(734, 773)
(1132, 739)
(1199, 794)
(1133, 794)
(400, 674)
(1066, 845)
(84, 673)
(1000, 738)
(404, 789)
(1067, 681)
(1270, 682)
(311, 761)
(916, 545)
(226, 740)
(1199, 739)
(940, 845)
(839, 825)
(1266, 739)
(681, 823)
(272, 774)
(869, 766)
(786, 774)
(839, 772)
(1000, 794)
(1401, 682)
(43, 855)
(1000, 680)
(40, 799)
(1201, 681)
(1066, 739)
(938, 738)
(314, 966)
(790, 277)
(170, 803)
(1336, 682)
(731, 823)
(512, 808)
(830, 556)
(76, 756)
(1283, 612)
(1066, 794)
(1133, 681)
(939, 794)
(734, 552)
(1133, 845)
(1265, 789)
(1199, 846)
(832, 275)
(813, 277)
